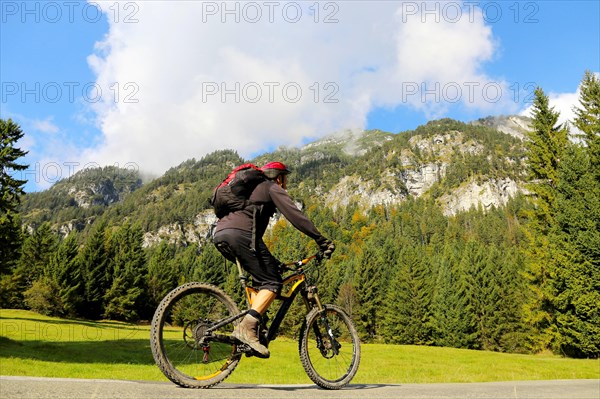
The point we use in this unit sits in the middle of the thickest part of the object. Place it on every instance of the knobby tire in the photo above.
(176, 335)
(331, 363)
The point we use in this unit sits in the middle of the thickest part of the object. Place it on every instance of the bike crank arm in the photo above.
(240, 347)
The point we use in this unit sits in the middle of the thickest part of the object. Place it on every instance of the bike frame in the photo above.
(297, 283)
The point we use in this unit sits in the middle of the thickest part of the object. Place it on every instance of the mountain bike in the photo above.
(191, 331)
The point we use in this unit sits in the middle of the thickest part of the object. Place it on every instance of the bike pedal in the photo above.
(243, 348)
(249, 352)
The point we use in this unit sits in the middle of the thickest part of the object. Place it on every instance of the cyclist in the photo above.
(239, 235)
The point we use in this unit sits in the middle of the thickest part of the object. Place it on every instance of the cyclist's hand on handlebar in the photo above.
(326, 247)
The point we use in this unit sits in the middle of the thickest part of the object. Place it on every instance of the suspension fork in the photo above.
(311, 297)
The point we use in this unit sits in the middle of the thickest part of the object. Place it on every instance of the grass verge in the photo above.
(36, 345)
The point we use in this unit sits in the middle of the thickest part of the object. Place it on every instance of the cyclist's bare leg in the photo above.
(263, 300)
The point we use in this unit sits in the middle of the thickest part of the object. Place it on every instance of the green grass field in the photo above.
(35, 345)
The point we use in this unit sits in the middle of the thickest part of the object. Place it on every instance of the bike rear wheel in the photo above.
(178, 336)
(329, 347)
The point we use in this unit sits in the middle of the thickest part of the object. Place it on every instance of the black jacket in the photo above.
(266, 198)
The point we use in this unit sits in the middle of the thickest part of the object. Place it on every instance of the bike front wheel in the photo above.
(181, 347)
(329, 347)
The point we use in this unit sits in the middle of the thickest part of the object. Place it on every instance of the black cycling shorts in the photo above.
(261, 264)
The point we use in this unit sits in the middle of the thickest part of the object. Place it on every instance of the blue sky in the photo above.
(147, 85)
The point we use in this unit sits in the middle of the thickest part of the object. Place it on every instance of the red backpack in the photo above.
(234, 192)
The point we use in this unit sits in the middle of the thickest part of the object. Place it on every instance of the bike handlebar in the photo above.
(299, 263)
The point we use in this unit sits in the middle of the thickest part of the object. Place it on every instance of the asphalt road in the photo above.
(64, 388)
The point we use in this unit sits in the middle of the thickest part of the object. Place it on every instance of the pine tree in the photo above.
(185, 263)
(11, 240)
(125, 297)
(67, 274)
(38, 249)
(407, 310)
(11, 191)
(576, 235)
(162, 275)
(494, 303)
(546, 146)
(472, 285)
(588, 118)
(97, 272)
(367, 281)
(447, 307)
(577, 277)
(211, 266)
(348, 299)
(32, 273)
(509, 331)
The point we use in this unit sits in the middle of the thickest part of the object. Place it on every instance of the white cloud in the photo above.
(190, 79)
(45, 126)
(440, 58)
(564, 103)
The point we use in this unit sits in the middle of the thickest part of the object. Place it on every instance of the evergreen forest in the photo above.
(520, 276)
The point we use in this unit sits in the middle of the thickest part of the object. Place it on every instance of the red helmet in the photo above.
(274, 169)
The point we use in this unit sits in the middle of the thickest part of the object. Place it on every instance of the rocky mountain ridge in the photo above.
(415, 177)
(458, 165)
